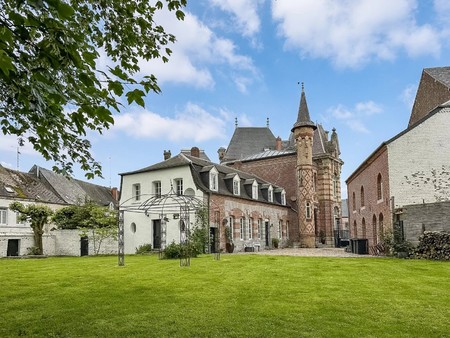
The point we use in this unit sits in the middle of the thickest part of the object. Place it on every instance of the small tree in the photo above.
(38, 216)
(101, 224)
(200, 236)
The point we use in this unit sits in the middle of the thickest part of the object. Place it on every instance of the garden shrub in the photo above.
(143, 249)
(275, 242)
(434, 245)
(175, 250)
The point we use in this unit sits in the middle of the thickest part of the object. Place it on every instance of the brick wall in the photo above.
(425, 217)
(366, 177)
(419, 162)
(430, 94)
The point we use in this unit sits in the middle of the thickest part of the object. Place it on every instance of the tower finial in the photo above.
(235, 122)
(267, 123)
(303, 87)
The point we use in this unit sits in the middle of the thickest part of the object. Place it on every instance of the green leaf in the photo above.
(136, 96)
(6, 64)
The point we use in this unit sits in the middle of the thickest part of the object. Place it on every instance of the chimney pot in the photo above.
(195, 152)
(167, 154)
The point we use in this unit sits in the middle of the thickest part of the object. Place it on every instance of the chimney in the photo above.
(167, 154)
(278, 143)
(195, 152)
(221, 153)
(115, 194)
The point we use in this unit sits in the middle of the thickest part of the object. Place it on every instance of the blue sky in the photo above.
(361, 62)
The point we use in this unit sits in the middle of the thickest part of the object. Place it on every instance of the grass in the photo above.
(238, 296)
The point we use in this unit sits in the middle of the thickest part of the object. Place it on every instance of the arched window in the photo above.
(133, 227)
(379, 187)
(354, 201)
(374, 230)
(355, 230)
(362, 196)
(363, 226)
(380, 225)
(308, 210)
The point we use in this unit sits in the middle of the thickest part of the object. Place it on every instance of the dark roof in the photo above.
(248, 141)
(19, 185)
(202, 154)
(303, 118)
(176, 161)
(441, 74)
(73, 191)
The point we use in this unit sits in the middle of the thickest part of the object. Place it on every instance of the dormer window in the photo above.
(236, 185)
(137, 191)
(283, 197)
(270, 194)
(213, 179)
(255, 190)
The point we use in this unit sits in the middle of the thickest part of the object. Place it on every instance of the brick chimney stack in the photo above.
(195, 152)
(115, 194)
(167, 154)
(278, 143)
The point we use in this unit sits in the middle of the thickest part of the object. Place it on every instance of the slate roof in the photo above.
(441, 74)
(202, 154)
(26, 186)
(303, 118)
(173, 162)
(73, 191)
(248, 141)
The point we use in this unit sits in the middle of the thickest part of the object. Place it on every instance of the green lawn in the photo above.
(238, 296)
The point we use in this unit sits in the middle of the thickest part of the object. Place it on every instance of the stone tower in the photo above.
(306, 196)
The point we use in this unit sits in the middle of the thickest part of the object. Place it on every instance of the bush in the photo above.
(175, 250)
(434, 245)
(275, 242)
(143, 249)
(33, 251)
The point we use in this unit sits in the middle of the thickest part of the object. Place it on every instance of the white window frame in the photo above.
(236, 185)
(270, 194)
(3, 216)
(231, 220)
(283, 197)
(213, 179)
(157, 188)
(242, 228)
(255, 190)
(250, 228)
(259, 228)
(137, 191)
(280, 224)
(179, 186)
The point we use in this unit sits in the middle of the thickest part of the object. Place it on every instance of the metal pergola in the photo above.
(177, 205)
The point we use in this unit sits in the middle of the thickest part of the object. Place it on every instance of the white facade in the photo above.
(141, 228)
(419, 162)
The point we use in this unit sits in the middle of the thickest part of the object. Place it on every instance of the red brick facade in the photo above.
(370, 215)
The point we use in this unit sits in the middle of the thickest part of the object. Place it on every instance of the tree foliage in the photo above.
(53, 91)
(38, 216)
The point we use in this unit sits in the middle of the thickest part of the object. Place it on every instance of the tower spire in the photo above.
(303, 119)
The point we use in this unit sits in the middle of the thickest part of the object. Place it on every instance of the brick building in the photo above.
(160, 201)
(307, 165)
(405, 182)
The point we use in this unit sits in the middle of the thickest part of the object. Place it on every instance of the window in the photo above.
(137, 191)
(354, 201)
(3, 216)
(213, 180)
(259, 228)
(374, 229)
(255, 190)
(250, 228)
(133, 227)
(231, 224)
(379, 188)
(355, 230)
(287, 229)
(179, 186)
(363, 226)
(280, 224)
(270, 194)
(335, 186)
(236, 185)
(308, 210)
(157, 188)
(362, 196)
(242, 229)
(380, 225)
(283, 197)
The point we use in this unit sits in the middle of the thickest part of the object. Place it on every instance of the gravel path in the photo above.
(317, 252)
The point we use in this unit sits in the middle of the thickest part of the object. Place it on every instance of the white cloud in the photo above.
(408, 95)
(193, 123)
(244, 14)
(353, 33)
(355, 118)
(197, 49)
(9, 143)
